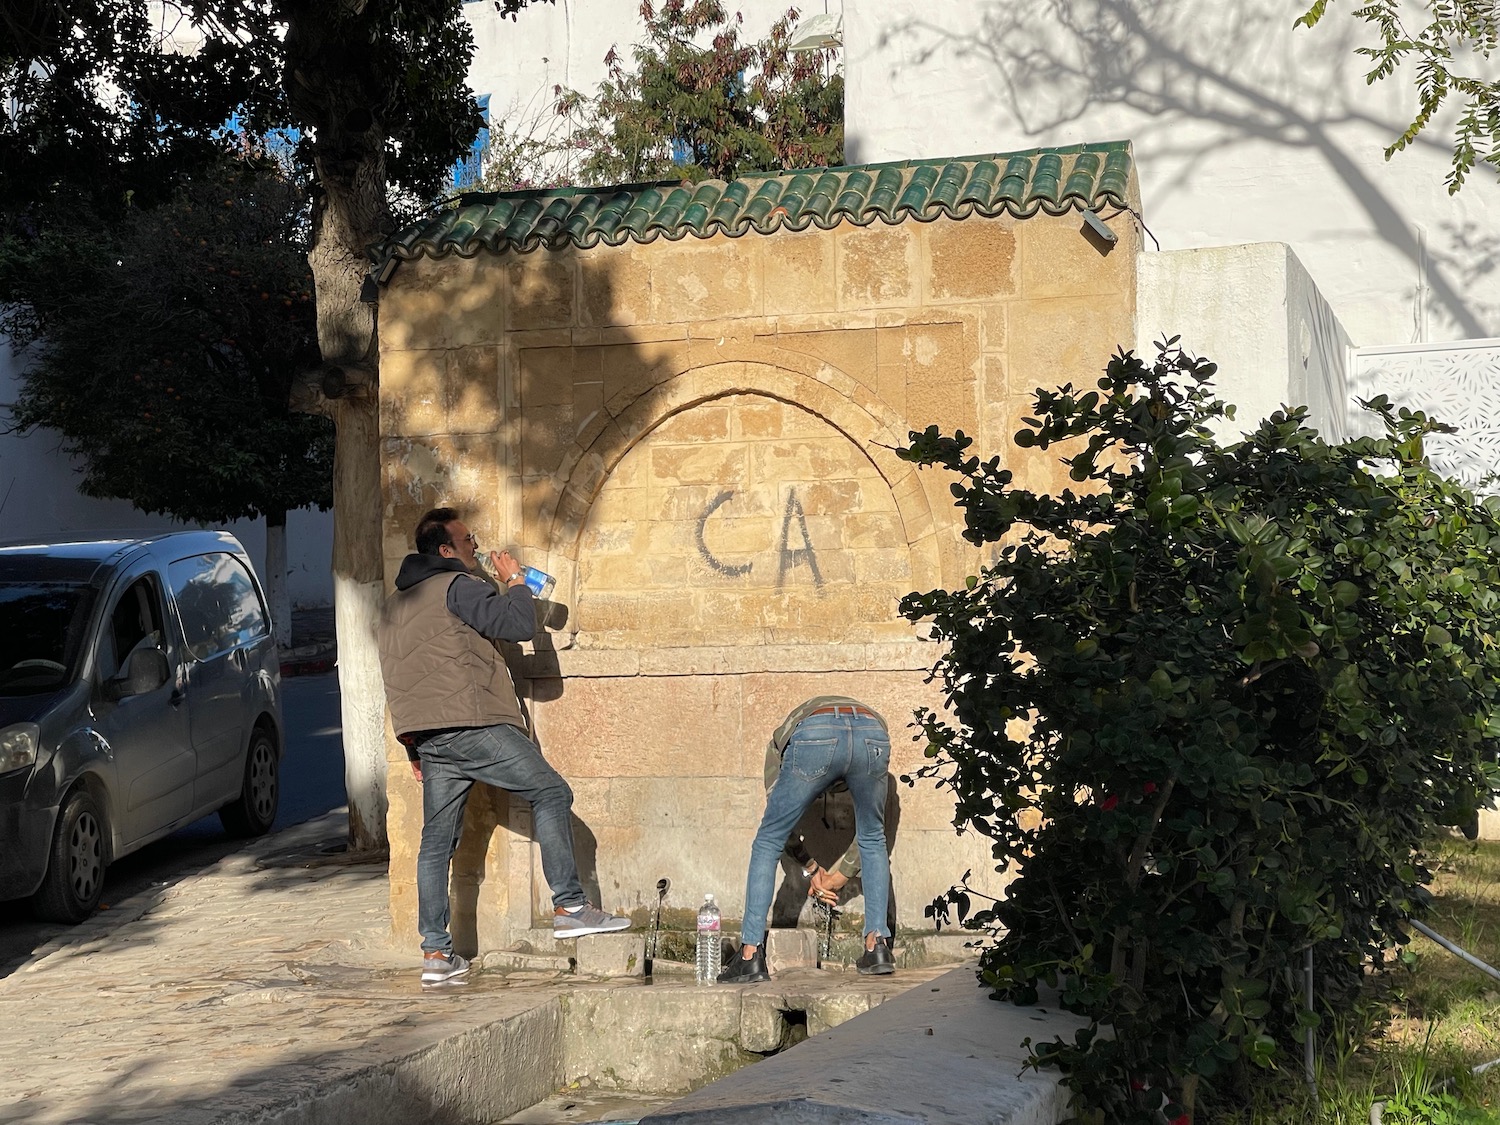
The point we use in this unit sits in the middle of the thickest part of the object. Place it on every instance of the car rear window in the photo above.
(41, 633)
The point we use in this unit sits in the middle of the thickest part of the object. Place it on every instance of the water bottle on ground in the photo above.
(709, 948)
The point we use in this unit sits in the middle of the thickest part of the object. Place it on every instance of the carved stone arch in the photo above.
(805, 384)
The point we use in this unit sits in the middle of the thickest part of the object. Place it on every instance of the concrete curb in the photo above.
(940, 1053)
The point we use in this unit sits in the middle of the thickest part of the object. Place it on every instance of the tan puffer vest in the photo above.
(439, 673)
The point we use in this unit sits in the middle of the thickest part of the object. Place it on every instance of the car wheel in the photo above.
(75, 865)
(254, 811)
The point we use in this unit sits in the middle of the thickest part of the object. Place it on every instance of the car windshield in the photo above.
(41, 634)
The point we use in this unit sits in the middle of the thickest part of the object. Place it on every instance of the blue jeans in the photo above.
(504, 757)
(825, 749)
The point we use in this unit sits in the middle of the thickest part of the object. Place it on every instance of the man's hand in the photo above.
(416, 771)
(506, 567)
(826, 886)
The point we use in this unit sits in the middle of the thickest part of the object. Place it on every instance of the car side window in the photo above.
(134, 623)
(218, 603)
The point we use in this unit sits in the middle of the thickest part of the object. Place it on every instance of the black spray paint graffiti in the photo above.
(787, 555)
(732, 570)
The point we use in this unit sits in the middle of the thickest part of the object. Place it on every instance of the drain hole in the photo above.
(796, 1027)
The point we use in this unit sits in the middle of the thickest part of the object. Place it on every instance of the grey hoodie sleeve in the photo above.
(497, 615)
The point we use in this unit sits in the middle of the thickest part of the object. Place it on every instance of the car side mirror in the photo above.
(145, 670)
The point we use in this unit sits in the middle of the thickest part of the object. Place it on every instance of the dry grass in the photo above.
(1440, 1016)
(1460, 1003)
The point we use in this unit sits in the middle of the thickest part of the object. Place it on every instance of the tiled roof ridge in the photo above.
(1054, 180)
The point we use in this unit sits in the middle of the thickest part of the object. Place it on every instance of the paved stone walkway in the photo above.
(256, 981)
(264, 989)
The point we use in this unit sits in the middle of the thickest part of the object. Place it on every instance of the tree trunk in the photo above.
(278, 589)
(325, 81)
(358, 592)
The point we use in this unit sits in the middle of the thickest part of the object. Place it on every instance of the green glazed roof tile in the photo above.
(1056, 180)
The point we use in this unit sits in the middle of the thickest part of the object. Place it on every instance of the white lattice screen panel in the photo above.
(1457, 383)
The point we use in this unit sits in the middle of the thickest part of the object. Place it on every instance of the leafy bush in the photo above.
(699, 102)
(1208, 709)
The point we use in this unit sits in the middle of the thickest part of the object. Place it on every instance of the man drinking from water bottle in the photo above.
(456, 711)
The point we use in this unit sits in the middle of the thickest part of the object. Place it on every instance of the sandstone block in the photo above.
(757, 419)
(640, 332)
(615, 728)
(797, 268)
(763, 1026)
(709, 422)
(611, 955)
(614, 287)
(412, 393)
(542, 290)
(926, 862)
(698, 279)
(971, 259)
(1058, 261)
(790, 949)
(943, 353)
(446, 303)
(831, 1009)
(725, 466)
(619, 518)
(692, 1031)
(1068, 339)
(546, 437)
(877, 266)
(546, 376)
(631, 370)
(875, 565)
(472, 397)
(851, 351)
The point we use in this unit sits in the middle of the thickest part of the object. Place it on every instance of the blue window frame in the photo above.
(466, 171)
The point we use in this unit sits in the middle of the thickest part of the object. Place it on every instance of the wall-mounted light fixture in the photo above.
(1095, 225)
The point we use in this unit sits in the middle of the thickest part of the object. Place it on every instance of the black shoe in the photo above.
(877, 962)
(743, 970)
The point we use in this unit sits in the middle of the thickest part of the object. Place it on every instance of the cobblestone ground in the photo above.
(261, 979)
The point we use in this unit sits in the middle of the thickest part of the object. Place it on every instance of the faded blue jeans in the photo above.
(504, 757)
(822, 750)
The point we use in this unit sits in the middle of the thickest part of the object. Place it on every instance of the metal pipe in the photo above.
(1377, 1108)
(1308, 1060)
(1461, 954)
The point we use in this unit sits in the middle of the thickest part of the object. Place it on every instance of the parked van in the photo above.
(139, 691)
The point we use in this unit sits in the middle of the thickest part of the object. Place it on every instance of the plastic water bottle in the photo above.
(709, 948)
(539, 582)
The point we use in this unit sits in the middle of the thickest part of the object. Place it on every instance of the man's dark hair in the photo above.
(432, 530)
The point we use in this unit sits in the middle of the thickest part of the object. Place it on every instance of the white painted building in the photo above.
(1244, 128)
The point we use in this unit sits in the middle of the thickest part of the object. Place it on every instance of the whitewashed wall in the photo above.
(39, 496)
(1244, 130)
(1256, 313)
